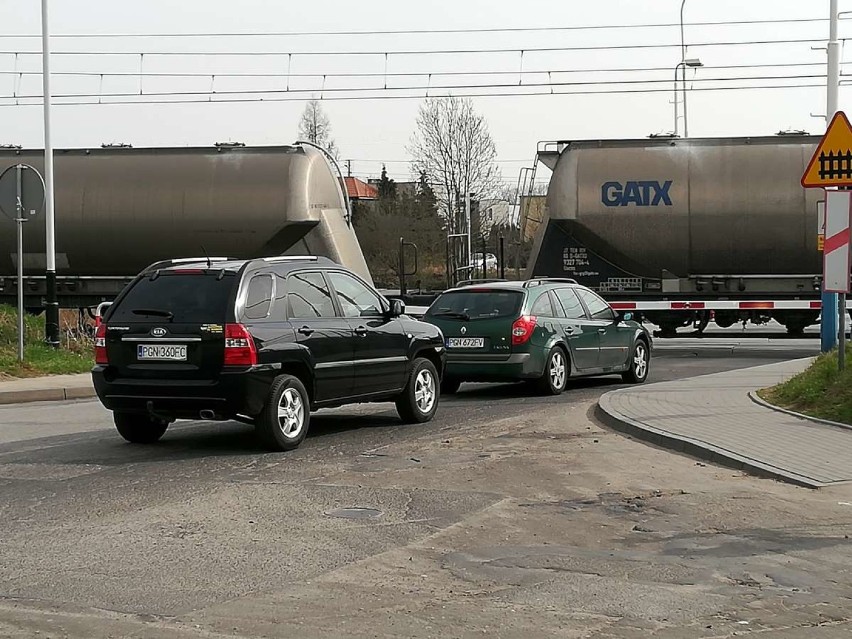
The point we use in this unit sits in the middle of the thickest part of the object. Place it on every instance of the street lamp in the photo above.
(51, 304)
(692, 63)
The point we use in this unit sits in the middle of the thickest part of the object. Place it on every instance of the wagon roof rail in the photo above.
(538, 281)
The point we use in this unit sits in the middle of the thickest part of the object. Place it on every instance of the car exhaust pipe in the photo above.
(208, 415)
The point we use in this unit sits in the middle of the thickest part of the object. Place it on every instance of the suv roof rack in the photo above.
(186, 260)
(538, 281)
(292, 258)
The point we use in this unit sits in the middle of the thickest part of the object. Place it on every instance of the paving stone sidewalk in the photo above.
(712, 417)
(46, 389)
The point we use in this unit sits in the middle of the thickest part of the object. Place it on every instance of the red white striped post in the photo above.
(837, 258)
(838, 213)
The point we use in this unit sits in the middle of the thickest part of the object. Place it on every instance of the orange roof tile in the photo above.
(359, 190)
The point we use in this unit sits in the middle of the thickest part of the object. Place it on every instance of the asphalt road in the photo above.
(510, 515)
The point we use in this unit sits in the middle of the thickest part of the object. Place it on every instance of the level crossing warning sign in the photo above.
(831, 164)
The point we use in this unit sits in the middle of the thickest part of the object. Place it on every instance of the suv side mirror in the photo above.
(397, 308)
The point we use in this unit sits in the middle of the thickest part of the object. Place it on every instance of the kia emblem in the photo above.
(158, 332)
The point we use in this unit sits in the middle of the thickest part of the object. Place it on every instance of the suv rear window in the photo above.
(190, 299)
(477, 304)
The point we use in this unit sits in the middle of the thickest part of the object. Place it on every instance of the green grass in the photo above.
(75, 355)
(821, 391)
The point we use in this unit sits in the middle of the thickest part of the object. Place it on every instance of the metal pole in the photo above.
(682, 58)
(675, 101)
(449, 264)
(841, 324)
(19, 223)
(402, 288)
(467, 216)
(502, 257)
(685, 119)
(52, 305)
(830, 301)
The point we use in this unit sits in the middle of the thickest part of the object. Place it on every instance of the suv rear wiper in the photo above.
(153, 311)
(455, 314)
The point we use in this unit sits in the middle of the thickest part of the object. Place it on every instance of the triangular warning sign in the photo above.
(831, 164)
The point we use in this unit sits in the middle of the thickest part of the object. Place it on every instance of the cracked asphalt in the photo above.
(510, 515)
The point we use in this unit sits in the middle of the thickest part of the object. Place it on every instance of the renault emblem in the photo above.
(158, 332)
(463, 330)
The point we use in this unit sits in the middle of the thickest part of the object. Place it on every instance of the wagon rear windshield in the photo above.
(477, 304)
(193, 298)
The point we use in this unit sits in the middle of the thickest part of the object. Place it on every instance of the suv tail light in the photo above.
(101, 356)
(239, 346)
(523, 329)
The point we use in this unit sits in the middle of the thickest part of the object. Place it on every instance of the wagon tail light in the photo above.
(523, 329)
(239, 346)
(101, 356)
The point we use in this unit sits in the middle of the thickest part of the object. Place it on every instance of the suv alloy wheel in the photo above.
(283, 424)
(419, 400)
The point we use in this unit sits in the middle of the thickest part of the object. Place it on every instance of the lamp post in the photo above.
(692, 63)
(52, 305)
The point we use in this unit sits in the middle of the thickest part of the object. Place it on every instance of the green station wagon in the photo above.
(542, 330)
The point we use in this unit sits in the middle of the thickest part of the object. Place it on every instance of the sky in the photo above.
(376, 131)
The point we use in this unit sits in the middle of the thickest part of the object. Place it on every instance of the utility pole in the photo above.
(52, 304)
(833, 306)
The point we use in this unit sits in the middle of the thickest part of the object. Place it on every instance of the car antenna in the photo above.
(209, 263)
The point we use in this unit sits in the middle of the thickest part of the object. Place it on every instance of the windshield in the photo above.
(181, 298)
(477, 304)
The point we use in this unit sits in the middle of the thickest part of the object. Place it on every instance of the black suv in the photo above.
(263, 341)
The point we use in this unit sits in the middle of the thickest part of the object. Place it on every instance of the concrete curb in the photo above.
(753, 396)
(45, 395)
(693, 447)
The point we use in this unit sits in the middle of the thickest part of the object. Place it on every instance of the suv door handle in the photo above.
(601, 330)
(361, 331)
(306, 331)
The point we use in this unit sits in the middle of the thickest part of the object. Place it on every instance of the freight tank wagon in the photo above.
(685, 230)
(119, 210)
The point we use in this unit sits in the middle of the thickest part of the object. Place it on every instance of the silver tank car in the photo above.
(120, 209)
(724, 218)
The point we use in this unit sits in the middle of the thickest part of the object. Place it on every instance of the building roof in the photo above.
(359, 190)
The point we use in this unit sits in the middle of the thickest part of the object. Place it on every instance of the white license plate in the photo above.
(161, 352)
(466, 342)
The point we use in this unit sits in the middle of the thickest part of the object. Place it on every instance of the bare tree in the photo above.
(454, 149)
(316, 127)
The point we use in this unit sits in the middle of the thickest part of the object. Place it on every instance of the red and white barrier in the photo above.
(720, 305)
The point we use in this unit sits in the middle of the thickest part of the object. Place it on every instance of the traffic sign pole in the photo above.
(831, 303)
(19, 223)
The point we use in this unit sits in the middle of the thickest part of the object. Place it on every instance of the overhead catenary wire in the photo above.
(426, 52)
(333, 90)
(404, 74)
(550, 92)
(473, 30)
